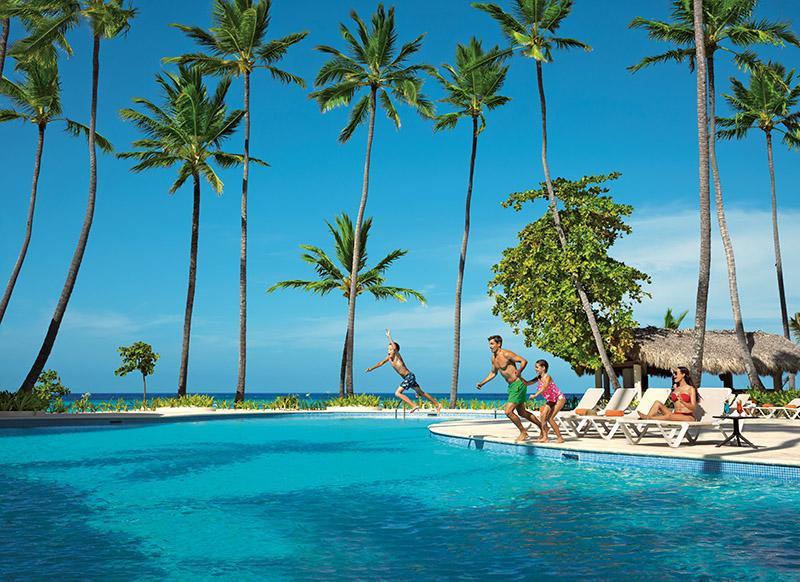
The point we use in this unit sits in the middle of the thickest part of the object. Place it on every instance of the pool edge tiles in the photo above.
(708, 466)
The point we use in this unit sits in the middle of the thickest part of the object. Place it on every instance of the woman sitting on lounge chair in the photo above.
(683, 396)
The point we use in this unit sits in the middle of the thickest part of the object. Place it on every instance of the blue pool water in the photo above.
(301, 498)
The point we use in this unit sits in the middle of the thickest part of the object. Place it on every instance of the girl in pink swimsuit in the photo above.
(554, 400)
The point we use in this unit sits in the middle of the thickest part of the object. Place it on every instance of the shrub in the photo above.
(290, 402)
(355, 400)
(84, 404)
(774, 397)
(22, 401)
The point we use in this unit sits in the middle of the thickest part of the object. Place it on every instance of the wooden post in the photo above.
(598, 378)
(637, 380)
(777, 381)
(627, 377)
(726, 379)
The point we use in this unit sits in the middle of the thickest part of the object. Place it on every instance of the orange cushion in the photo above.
(615, 413)
(582, 411)
(767, 405)
(791, 406)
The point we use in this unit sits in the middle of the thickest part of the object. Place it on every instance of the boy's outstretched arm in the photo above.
(389, 336)
(378, 365)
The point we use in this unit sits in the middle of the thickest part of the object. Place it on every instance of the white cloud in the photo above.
(665, 244)
(111, 322)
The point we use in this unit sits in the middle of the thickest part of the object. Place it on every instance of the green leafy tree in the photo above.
(532, 30)
(768, 103)
(237, 47)
(37, 100)
(372, 65)
(107, 19)
(138, 357)
(187, 131)
(472, 87)
(50, 388)
(336, 277)
(673, 322)
(533, 287)
(723, 22)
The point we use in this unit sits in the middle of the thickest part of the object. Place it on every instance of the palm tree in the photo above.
(338, 278)
(237, 47)
(723, 21)
(38, 101)
(373, 64)
(769, 103)
(794, 325)
(474, 83)
(673, 322)
(6, 9)
(107, 19)
(532, 29)
(186, 131)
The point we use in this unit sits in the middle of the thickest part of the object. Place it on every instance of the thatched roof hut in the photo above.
(661, 350)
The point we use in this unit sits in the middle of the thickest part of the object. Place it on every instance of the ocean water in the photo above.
(131, 397)
(299, 498)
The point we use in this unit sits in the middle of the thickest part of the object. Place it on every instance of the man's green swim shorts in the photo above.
(517, 392)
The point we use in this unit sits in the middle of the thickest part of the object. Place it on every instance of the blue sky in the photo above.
(132, 284)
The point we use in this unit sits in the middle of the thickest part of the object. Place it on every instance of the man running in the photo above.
(409, 380)
(505, 362)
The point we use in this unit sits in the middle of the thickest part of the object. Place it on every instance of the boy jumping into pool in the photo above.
(409, 380)
(505, 362)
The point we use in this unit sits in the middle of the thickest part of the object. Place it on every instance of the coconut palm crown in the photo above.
(236, 43)
(37, 99)
(333, 278)
(768, 103)
(531, 26)
(371, 62)
(188, 131)
(474, 81)
(724, 20)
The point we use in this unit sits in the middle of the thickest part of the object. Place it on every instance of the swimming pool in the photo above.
(326, 498)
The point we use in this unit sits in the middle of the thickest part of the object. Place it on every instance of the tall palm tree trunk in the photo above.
(776, 241)
(733, 286)
(351, 306)
(343, 369)
(4, 43)
(243, 256)
(144, 394)
(562, 238)
(461, 264)
(12, 281)
(704, 273)
(187, 317)
(77, 257)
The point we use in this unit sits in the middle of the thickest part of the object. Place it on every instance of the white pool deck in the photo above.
(778, 441)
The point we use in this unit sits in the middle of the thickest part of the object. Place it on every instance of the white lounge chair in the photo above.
(588, 401)
(578, 425)
(608, 426)
(790, 411)
(711, 404)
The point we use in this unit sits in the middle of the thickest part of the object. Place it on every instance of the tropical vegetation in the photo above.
(533, 286)
(373, 67)
(768, 103)
(107, 19)
(237, 47)
(559, 286)
(714, 24)
(187, 131)
(472, 86)
(333, 277)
